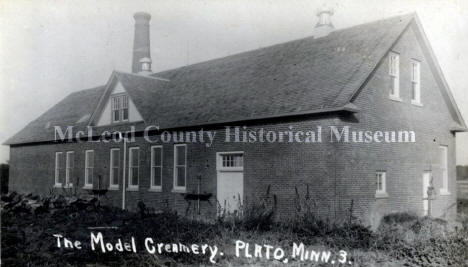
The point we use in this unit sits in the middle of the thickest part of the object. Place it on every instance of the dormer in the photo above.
(119, 108)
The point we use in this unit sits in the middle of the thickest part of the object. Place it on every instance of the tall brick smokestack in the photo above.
(141, 41)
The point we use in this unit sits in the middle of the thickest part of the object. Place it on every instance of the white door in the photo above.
(230, 182)
(426, 183)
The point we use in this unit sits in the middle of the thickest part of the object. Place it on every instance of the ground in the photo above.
(29, 224)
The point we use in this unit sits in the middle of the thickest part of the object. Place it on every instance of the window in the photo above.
(133, 168)
(119, 108)
(444, 169)
(114, 168)
(58, 164)
(232, 160)
(394, 72)
(156, 167)
(89, 167)
(415, 82)
(70, 165)
(381, 190)
(180, 167)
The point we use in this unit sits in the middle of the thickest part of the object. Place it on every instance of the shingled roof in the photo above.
(295, 77)
(298, 77)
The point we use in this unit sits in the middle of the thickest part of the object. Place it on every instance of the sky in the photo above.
(49, 49)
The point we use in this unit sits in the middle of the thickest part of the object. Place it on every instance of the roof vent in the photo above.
(145, 64)
(324, 25)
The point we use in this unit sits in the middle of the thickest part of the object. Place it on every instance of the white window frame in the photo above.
(69, 168)
(176, 187)
(415, 82)
(220, 161)
(381, 193)
(394, 73)
(91, 168)
(444, 170)
(131, 187)
(58, 156)
(154, 187)
(112, 167)
(117, 103)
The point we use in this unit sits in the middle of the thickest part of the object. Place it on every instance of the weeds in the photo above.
(28, 223)
(422, 241)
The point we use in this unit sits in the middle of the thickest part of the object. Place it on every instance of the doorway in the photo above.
(230, 182)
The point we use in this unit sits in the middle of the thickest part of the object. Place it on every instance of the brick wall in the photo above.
(281, 166)
(404, 163)
(333, 175)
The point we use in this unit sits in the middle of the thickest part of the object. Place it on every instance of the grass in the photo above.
(28, 224)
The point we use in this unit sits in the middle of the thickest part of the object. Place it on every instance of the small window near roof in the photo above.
(394, 72)
(119, 105)
(415, 82)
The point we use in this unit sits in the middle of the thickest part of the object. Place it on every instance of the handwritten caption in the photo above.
(241, 249)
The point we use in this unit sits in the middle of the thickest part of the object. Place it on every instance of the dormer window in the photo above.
(394, 72)
(119, 108)
(415, 82)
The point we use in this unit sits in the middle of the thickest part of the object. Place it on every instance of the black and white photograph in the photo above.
(234, 133)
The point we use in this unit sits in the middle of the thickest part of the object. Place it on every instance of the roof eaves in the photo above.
(349, 107)
(458, 130)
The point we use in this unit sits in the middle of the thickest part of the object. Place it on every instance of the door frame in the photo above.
(220, 169)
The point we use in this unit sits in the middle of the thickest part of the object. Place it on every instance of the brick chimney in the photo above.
(141, 41)
(324, 25)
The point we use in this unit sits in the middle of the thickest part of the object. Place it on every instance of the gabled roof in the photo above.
(137, 83)
(305, 76)
(75, 109)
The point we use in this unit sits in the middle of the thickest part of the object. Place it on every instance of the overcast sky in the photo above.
(49, 49)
